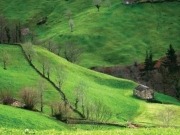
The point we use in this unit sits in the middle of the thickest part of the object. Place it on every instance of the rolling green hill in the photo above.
(11, 117)
(119, 34)
(115, 93)
(20, 75)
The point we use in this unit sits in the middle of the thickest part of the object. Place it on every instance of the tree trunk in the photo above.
(4, 64)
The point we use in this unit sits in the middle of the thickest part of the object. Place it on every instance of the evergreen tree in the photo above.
(149, 64)
(171, 59)
(146, 62)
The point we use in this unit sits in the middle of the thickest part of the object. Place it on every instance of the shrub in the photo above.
(29, 97)
(60, 110)
(6, 97)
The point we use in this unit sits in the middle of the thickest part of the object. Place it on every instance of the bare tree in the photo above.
(41, 88)
(71, 25)
(60, 76)
(97, 3)
(7, 30)
(98, 111)
(60, 110)
(2, 26)
(80, 97)
(5, 59)
(29, 97)
(72, 53)
(48, 69)
(29, 51)
(6, 97)
(68, 13)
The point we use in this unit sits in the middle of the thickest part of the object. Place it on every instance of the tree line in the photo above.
(10, 32)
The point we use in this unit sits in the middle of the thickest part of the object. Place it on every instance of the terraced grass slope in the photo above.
(119, 34)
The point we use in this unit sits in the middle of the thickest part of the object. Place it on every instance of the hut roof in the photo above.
(141, 87)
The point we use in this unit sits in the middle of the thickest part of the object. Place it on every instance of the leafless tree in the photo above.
(48, 69)
(60, 110)
(98, 111)
(10, 31)
(6, 97)
(68, 13)
(41, 88)
(72, 52)
(5, 59)
(80, 97)
(46, 65)
(2, 26)
(97, 3)
(60, 76)
(29, 51)
(71, 24)
(29, 97)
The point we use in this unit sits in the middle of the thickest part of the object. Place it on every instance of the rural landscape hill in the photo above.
(117, 34)
(73, 99)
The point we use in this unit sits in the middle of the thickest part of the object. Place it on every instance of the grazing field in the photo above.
(113, 92)
(143, 131)
(118, 34)
(11, 117)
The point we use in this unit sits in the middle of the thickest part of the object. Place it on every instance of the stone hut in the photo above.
(143, 92)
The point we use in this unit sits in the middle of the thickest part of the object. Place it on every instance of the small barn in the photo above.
(143, 92)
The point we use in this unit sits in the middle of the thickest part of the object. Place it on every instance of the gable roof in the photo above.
(141, 87)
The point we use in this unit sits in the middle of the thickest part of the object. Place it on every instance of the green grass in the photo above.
(113, 92)
(166, 99)
(117, 35)
(120, 34)
(146, 131)
(20, 75)
(11, 117)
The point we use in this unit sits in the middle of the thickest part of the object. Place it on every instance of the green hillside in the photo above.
(115, 93)
(119, 34)
(116, 35)
(21, 119)
(20, 75)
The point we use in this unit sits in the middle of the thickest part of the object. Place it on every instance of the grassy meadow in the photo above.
(113, 92)
(143, 131)
(118, 34)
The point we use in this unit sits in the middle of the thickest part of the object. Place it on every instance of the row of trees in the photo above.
(70, 51)
(10, 32)
(168, 72)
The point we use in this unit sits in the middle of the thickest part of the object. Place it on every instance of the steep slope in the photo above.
(20, 75)
(119, 34)
(115, 93)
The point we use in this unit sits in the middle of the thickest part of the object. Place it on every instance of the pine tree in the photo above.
(149, 64)
(146, 62)
(171, 59)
